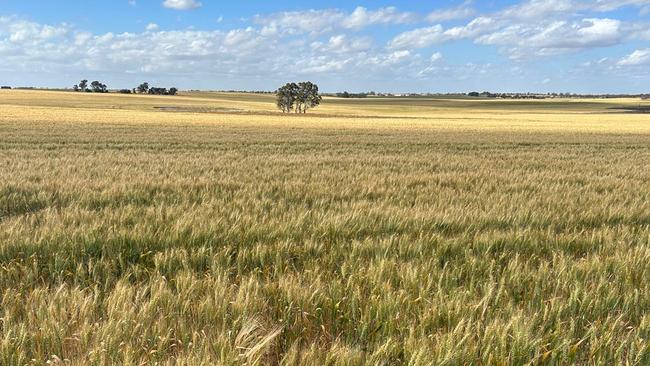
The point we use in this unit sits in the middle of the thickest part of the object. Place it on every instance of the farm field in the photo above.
(209, 229)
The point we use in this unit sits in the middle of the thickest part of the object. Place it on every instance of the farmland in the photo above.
(209, 228)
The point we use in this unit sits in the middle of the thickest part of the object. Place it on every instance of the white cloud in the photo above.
(636, 58)
(81, 38)
(152, 27)
(462, 11)
(419, 38)
(474, 28)
(309, 21)
(343, 44)
(555, 37)
(328, 20)
(397, 57)
(191, 55)
(425, 37)
(434, 66)
(539, 9)
(534, 28)
(182, 4)
(362, 17)
(321, 65)
(22, 31)
(609, 5)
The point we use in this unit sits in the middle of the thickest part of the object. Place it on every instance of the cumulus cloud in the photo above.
(558, 35)
(427, 36)
(636, 58)
(152, 27)
(239, 53)
(533, 28)
(25, 31)
(182, 4)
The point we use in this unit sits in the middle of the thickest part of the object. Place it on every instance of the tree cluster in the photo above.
(298, 97)
(98, 87)
(95, 87)
(163, 91)
(345, 94)
(144, 88)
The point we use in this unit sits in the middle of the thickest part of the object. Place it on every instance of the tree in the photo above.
(286, 97)
(158, 91)
(75, 88)
(307, 97)
(83, 85)
(143, 88)
(298, 97)
(98, 87)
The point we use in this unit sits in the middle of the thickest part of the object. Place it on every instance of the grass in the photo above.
(440, 232)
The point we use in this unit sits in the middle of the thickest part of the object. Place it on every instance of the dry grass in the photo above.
(450, 233)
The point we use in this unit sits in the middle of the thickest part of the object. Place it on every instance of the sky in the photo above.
(578, 46)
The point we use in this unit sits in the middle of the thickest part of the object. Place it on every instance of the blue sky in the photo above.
(597, 46)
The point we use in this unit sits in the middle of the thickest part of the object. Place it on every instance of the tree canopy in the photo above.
(298, 97)
(98, 87)
(95, 87)
(143, 88)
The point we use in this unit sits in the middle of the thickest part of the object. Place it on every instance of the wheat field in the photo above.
(209, 229)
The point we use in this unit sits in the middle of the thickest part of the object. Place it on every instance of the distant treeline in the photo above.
(489, 95)
(354, 95)
(553, 95)
(144, 88)
(98, 87)
(241, 91)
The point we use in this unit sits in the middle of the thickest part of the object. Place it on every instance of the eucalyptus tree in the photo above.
(298, 97)
(308, 97)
